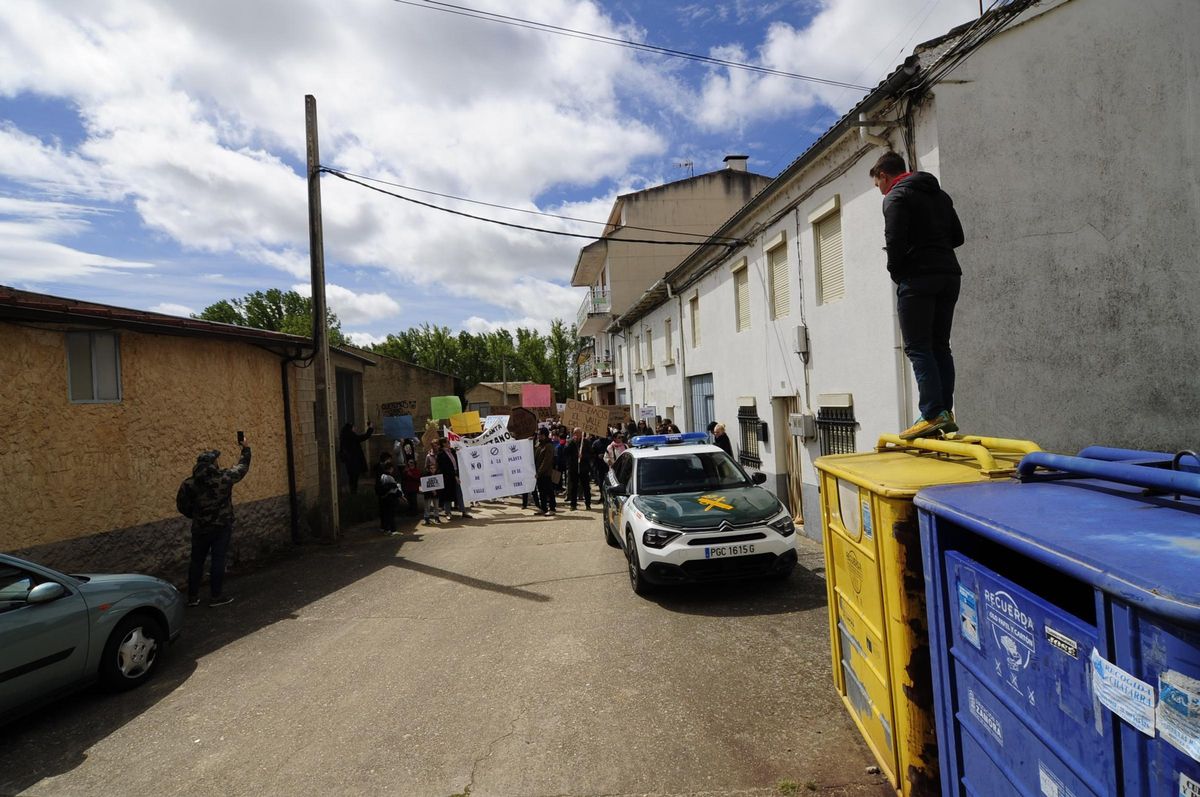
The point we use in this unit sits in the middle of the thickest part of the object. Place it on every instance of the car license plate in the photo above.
(722, 551)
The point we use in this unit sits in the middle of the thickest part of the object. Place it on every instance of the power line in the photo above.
(515, 210)
(347, 178)
(472, 13)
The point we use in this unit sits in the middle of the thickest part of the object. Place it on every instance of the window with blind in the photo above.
(93, 367)
(669, 354)
(827, 235)
(781, 298)
(649, 349)
(694, 312)
(741, 298)
(637, 354)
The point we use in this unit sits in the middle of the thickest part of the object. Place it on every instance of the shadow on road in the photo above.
(468, 581)
(801, 592)
(56, 738)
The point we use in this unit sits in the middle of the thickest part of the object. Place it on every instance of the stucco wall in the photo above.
(71, 471)
(1072, 148)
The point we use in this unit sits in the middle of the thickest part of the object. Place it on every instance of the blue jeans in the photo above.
(925, 304)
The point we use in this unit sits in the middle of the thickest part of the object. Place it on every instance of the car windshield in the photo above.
(687, 472)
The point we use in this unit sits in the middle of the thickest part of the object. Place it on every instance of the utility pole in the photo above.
(327, 498)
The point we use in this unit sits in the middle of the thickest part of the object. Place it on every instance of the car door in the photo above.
(621, 475)
(43, 647)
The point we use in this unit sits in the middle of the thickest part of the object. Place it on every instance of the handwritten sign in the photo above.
(432, 483)
(618, 414)
(588, 417)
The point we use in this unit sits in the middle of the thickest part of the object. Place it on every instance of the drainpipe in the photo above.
(289, 446)
(687, 401)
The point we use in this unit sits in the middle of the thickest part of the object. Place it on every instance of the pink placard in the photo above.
(537, 396)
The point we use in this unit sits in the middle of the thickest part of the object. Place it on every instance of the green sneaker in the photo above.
(951, 423)
(929, 427)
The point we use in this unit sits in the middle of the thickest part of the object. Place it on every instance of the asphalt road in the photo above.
(502, 655)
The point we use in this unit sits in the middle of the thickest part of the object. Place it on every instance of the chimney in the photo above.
(736, 163)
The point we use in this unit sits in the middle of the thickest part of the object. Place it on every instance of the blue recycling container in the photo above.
(1064, 627)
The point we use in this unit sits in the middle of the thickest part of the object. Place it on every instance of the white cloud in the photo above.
(171, 308)
(365, 340)
(355, 308)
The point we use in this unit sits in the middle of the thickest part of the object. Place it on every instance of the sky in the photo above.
(152, 152)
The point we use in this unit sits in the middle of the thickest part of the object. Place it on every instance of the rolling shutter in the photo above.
(781, 299)
(741, 299)
(830, 275)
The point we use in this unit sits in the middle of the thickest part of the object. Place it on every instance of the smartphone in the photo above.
(241, 438)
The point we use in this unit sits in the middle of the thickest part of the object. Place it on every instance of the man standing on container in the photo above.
(921, 232)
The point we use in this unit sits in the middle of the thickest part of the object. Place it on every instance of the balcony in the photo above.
(595, 371)
(594, 314)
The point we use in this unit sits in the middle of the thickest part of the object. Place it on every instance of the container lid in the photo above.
(898, 469)
(1143, 548)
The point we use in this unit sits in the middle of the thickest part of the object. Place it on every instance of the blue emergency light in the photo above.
(651, 440)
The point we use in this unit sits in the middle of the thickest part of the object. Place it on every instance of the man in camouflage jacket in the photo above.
(212, 521)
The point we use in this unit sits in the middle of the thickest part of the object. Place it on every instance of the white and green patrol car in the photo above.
(684, 511)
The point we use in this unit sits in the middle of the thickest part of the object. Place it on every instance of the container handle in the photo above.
(1002, 444)
(987, 464)
(1169, 481)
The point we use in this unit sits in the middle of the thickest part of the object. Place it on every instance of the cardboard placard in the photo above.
(588, 417)
(618, 414)
(500, 409)
(431, 483)
(522, 423)
(466, 423)
(537, 396)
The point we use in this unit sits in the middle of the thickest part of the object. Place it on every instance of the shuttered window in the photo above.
(781, 298)
(669, 354)
(741, 298)
(649, 349)
(831, 282)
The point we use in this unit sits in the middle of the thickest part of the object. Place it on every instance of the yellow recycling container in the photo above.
(876, 588)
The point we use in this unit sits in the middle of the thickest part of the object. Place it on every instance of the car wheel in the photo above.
(131, 653)
(609, 537)
(637, 576)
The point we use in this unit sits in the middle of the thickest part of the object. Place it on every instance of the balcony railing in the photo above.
(597, 302)
(593, 367)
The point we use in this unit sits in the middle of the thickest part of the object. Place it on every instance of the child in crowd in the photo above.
(432, 498)
(388, 493)
(410, 484)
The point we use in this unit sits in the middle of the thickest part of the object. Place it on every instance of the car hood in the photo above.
(117, 584)
(738, 505)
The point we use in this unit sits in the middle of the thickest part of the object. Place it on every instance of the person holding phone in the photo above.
(210, 501)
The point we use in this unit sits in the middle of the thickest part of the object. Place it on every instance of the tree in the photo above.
(276, 310)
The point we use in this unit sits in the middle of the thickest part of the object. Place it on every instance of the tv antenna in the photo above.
(687, 164)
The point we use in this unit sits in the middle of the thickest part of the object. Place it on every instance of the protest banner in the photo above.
(537, 396)
(496, 468)
(431, 483)
(442, 407)
(648, 412)
(618, 414)
(588, 417)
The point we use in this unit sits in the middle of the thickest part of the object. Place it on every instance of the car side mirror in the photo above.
(759, 477)
(46, 592)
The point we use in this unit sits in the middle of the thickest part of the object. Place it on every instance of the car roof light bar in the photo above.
(650, 440)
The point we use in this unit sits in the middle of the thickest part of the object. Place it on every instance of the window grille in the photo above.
(835, 430)
(748, 426)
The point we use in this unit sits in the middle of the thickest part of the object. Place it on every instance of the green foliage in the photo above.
(273, 309)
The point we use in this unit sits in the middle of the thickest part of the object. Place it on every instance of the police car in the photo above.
(684, 511)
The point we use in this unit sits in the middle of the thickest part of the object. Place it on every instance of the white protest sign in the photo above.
(648, 412)
(496, 468)
(431, 483)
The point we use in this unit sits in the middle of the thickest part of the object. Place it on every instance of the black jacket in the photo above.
(920, 228)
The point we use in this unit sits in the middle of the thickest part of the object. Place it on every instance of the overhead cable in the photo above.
(562, 233)
(473, 13)
(515, 210)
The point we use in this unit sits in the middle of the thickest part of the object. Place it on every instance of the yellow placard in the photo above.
(466, 423)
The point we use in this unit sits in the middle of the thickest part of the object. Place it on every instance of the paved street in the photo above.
(504, 655)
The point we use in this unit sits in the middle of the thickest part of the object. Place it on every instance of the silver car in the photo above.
(60, 632)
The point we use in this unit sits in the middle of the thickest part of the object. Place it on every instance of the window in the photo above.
(777, 267)
(827, 240)
(748, 426)
(694, 312)
(649, 349)
(835, 429)
(620, 361)
(93, 366)
(669, 354)
(741, 297)
(637, 354)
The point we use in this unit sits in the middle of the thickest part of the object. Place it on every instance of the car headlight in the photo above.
(784, 525)
(657, 538)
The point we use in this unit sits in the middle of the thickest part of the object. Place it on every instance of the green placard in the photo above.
(442, 407)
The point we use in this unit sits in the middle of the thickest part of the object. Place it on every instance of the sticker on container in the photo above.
(1178, 712)
(1051, 784)
(1061, 641)
(968, 615)
(1124, 695)
(868, 531)
(1188, 787)
(1013, 630)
